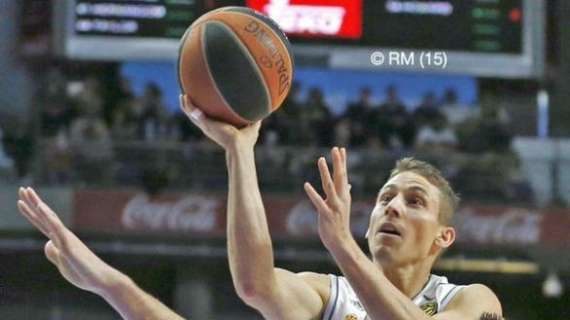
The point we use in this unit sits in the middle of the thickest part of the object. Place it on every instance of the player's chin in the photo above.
(386, 241)
(386, 253)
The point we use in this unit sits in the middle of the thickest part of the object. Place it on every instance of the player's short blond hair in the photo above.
(449, 200)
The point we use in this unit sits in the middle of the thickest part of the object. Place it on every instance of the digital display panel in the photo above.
(501, 38)
(142, 19)
(479, 26)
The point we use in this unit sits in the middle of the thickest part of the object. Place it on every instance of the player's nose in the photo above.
(395, 207)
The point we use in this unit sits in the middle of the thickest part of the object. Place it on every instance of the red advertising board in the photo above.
(289, 217)
(314, 18)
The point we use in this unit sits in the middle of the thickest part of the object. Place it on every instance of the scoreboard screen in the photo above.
(482, 37)
(473, 26)
(141, 19)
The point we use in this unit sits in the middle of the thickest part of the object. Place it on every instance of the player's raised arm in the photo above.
(276, 293)
(82, 268)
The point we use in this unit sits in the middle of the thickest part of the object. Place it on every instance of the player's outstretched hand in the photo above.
(334, 210)
(75, 261)
(226, 135)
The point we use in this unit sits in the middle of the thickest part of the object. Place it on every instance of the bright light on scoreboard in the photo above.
(334, 18)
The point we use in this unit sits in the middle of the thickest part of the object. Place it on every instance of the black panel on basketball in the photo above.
(269, 22)
(235, 74)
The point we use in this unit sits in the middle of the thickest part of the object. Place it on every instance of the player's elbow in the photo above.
(254, 293)
(246, 290)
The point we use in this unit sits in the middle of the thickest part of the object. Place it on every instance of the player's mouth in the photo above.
(389, 229)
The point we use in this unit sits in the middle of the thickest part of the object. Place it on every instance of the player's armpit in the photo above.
(295, 296)
(471, 303)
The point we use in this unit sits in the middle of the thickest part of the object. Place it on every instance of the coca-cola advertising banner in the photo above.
(199, 215)
(314, 18)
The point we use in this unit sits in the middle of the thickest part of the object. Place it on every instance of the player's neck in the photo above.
(409, 279)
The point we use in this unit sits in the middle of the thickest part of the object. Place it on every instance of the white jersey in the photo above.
(343, 303)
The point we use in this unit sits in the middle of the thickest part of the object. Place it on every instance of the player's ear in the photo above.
(446, 237)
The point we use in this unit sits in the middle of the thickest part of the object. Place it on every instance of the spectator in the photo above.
(123, 126)
(154, 124)
(454, 111)
(90, 98)
(495, 129)
(437, 136)
(283, 126)
(144, 118)
(56, 116)
(393, 123)
(342, 133)
(19, 146)
(120, 128)
(427, 113)
(182, 130)
(316, 119)
(6, 162)
(127, 120)
(488, 133)
(122, 95)
(57, 159)
(358, 116)
(493, 177)
(92, 149)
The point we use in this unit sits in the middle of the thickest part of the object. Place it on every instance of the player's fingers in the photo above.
(200, 119)
(33, 196)
(316, 199)
(24, 196)
(56, 228)
(339, 171)
(193, 113)
(186, 104)
(344, 164)
(32, 217)
(45, 211)
(326, 179)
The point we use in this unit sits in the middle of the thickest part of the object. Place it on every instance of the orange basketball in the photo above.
(235, 65)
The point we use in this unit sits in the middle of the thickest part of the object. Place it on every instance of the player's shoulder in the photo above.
(315, 279)
(319, 281)
(480, 291)
(487, 300)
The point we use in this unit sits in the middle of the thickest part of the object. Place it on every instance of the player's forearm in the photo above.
(131, 302)
(380, 298)
(249, 244)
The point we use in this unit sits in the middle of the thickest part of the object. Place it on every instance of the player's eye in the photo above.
(416, 202)
(385, 199)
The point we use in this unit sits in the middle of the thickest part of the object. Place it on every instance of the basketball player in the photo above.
(408, 230)
(80, 266)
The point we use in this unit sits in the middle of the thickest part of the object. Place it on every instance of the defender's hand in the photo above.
(224, 134)
(334, 211)
(75, 261)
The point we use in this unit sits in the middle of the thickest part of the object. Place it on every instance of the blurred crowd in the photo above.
(472, 145)
(84, 129)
